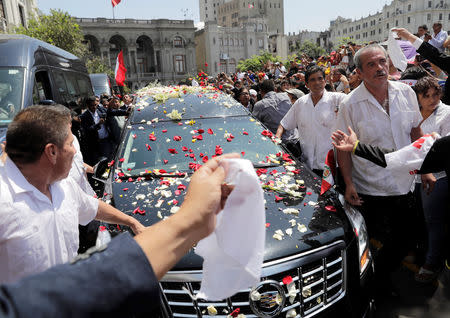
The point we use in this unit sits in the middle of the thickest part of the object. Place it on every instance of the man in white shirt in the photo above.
(314, 116)
(385, 114)
(438, 38)
(41, 206)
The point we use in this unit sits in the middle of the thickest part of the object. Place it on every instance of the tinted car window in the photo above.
(146, 147)
(211, 104)
(11, 88)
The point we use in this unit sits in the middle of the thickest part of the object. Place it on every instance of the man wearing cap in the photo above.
(314, 115)
(294, 94)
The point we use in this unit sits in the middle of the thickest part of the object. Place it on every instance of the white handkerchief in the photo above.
(404, 162)
(233, 254)
(396, 54)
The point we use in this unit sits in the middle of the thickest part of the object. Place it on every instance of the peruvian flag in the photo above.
(329, 171)
(250, 6)
(115, 2)
(120, 70)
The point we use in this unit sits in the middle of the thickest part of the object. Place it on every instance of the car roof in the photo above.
(158, 103)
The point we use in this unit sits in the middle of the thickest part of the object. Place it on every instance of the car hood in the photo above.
(150, 201)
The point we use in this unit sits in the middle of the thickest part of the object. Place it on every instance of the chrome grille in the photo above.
(319, 277)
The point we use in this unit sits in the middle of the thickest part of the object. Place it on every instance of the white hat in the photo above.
(252, 92)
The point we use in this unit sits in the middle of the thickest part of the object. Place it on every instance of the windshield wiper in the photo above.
(152, 175)
(266, 165)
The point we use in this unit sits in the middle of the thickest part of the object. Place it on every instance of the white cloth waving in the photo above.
(233, 254)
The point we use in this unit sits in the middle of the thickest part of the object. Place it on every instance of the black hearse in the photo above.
(34, 72)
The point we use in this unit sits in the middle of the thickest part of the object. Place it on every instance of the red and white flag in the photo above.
(250, 6)
(120, 70)
(115, 2)
(329, 171)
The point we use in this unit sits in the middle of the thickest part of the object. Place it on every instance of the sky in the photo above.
(309, 15)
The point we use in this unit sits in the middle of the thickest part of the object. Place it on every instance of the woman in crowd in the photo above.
(243, 97)
(436, 117)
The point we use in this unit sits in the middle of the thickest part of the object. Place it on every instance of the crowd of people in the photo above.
(356, 89)
(305, 102)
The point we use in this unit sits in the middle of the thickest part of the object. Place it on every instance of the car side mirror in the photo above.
(100, 169)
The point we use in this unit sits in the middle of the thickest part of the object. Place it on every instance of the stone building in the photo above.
(408, 14)
(316, 37)
(14, 13)
(219, 49)
(234, 13)
(158, 49)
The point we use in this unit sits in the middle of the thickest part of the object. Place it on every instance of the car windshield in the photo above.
(11, 88)
(171, 146)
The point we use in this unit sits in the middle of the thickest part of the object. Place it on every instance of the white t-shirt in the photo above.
(373, 126)
(78, 172)
(36, 233)
(315, 125)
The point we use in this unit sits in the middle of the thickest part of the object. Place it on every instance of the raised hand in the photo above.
(344, 142)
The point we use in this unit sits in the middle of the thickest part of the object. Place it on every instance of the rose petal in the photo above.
(165, 161)
(287, 280)
(330, 208)
(278, 199)
(172, 151)
(205, 159)
(267, 225)
(245, 133)
(177, 138)
(125, 189)
(210, 131)
(164, 130)
(201, 131)
(184, 148)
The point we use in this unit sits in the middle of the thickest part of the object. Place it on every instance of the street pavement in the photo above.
(415, 299)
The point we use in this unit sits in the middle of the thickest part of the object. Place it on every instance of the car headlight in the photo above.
(360, 229)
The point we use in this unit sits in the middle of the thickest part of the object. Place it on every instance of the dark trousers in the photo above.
(392, 225)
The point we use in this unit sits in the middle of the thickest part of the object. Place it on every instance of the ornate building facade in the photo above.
(158, 49)
(14, 13)
(219, 49)
(407, 14)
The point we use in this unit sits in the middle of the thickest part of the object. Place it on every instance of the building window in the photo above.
(409, 7)
(221, 42)
(440, 16)
(22, 15)
(387, 15)
(429, 4)
(214, 41)
(409, 20)
(178, 41)
(387, 26)
(396, 22)
(379, 31)
(429, 17)
(178, 63)
(251, 41)
(2, 10)
(261, 43)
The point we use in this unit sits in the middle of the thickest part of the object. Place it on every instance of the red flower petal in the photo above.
(162, 171)
(205, 159)
(102, 228)
(164, 182)
(111, 163)
(134, 136)
(330, 208)
(181, 187)
(277, 198)
(184, 148)
(138, 210)
(210, 131)
(235, 312)
(125, 189)
(201, 154)
(229, 139)
(121, 174)
(308, 193)
(165, 161)
(174, 202)
(245, 133)
(261, 171)
(192, 155)
(121, 160)
(243, 153)
(287, 280)
(177, 192)
(267, 225)
(148, 147)
(172, 151)
(198, 137)
(164, 130)
(180, 124)
(176, 138)
(190, 150)
(130, 179)
(152, 137)
(267, 133)
(201, 131)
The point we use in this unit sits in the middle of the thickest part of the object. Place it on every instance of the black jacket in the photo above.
(115, 282)
(442, 61)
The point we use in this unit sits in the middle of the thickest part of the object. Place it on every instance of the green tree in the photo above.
(60, 29)
(311, 49)
(342, 41)
(57, 28)
(256, 62)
